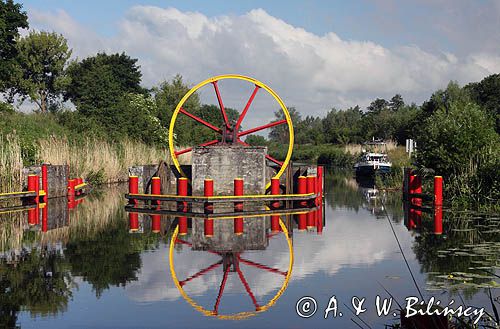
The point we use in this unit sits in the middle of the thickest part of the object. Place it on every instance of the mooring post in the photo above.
(275, 190)
(238, 206)
(45, 182)
(438, 220)
(32, 216)
(156, 223)
(311, 188)
(133, 187)
(320, 184)
(319, 219)
(438, 191)
(156, 218)
(133, 221)
(156, 188)
(34, 186)
(208, 223)
(302, 189)
(182, 190)
(71, 187)
(45, 223)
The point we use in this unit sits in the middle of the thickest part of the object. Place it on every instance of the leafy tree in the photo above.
(396, 103)
(458, 140)
(100, 81)
(12, 18)
(486, 93)
(279, 133)
(41, 65)
(378, 105)
(256, 140)
(169, 94)
(342, 127)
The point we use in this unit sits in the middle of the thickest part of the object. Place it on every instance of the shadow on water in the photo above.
(46, 268)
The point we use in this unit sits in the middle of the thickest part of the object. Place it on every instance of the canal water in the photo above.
(88, 270)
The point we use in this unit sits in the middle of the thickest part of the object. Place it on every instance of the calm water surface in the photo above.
(88, 271)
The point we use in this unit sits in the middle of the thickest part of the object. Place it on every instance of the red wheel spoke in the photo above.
(263, 267)
(247, 288)
(221, 290)
(189, 149)
(201, 272)
(269, 125)
(221, 105)
(200, 120)
(268, 157)
(242, 115)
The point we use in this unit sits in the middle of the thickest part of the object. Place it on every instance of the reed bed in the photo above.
(355, 149)
(98, 161)
(11, 163)
(94, 215)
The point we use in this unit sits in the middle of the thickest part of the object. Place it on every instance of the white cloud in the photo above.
(311, 72)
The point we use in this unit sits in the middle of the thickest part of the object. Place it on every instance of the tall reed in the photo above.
(11, 163)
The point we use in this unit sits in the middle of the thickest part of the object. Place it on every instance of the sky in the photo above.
(315, 54)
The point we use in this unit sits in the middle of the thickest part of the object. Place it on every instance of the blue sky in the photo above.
(318, 54)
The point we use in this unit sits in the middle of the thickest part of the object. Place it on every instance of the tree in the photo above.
(342, 127)
(486, 93)
(378, 105)
(256, 140)
(279, 133)
(41, 65)
(11, 20)
(396, 103)
(100, 81)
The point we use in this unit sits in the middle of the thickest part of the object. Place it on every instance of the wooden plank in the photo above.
(220, 199)
(13, 195)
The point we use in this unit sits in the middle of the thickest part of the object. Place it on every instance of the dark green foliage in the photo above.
(12, 18)
(102, 80)
(487, 94)
(256, 140)
(336, 157)
(343, 127)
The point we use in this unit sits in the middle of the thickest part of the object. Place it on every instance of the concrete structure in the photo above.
(57, 176)
(253, 238)
(224, 163)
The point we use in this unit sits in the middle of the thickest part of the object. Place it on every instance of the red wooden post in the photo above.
(302, 218)
(438, 220)
(238, 206)
(45, 223)
(133, 187)
(275, 190)
(418, 201)
(319, 219)
(156, 223)
(32, 216)
(71, 187)
(133, 221)
(45, 182)
(208, 223)
(182, 190)
(156, 188)
(302, 189)
(438, 191)
(320, 183)
(34, 186)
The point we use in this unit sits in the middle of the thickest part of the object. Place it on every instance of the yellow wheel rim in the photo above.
(240, 315)
(238, 77)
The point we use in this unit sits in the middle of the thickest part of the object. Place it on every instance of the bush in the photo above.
(336, 157)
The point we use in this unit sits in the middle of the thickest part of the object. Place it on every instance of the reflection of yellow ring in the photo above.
(240, 315)
(239, 77)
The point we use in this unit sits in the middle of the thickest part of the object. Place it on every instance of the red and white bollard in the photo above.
(133, 221)
(45, 182)
(156, 188)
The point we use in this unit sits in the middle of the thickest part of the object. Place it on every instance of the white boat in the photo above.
(372, 163)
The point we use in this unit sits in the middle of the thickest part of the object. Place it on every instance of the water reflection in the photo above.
(85, 261)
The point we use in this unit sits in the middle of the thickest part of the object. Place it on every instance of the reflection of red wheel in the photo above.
(230, 263)
(230, 132)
